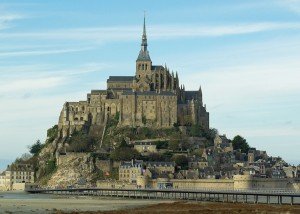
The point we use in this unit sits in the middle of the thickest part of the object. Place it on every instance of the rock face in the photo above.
(72, 169)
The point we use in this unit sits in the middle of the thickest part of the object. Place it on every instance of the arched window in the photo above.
(139, 66)
(143, 66)
(146, 67)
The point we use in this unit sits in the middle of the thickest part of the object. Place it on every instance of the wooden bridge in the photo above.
(245, 196)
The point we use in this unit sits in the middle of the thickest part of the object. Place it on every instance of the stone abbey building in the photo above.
(152, 97)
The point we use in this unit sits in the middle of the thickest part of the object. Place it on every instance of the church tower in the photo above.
(143, 62)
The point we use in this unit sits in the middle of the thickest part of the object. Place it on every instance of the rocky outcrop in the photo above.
(72, 169)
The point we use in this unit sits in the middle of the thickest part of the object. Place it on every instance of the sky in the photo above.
(244, 54)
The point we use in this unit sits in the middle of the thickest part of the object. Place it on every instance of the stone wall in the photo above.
(240, 182)
(249, 182)
(220, 184)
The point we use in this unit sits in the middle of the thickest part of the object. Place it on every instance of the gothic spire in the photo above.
(144, 37)
(144, 54)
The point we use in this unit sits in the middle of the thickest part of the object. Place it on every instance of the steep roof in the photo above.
(153, 93)
(191, 95)
(144, 143)
(157, 67)
(121, 78)
(143, 56)
(144, 53)
(154, 163)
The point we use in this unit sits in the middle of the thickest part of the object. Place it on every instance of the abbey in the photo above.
(151, 98)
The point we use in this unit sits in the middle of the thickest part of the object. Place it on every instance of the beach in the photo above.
(20, 202)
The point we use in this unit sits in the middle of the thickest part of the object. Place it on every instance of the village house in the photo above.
(222, 143)
(161, 167)
(145, 148)
(16, 176)
(197, 163)
(130, 170)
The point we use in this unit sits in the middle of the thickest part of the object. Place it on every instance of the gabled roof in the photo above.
(157, 67)
(152, 93)
(150, 164)
(144, 143)
(121, 78)
(191, 95)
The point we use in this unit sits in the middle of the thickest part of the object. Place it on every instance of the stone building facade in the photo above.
(15, 175)
(152, 97)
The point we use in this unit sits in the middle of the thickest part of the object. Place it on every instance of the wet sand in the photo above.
(20, 202)
(205, 208)
(70, 205)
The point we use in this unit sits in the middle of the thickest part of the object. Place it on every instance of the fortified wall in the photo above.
(239, 182)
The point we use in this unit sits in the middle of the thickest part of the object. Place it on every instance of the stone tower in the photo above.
(143, 64)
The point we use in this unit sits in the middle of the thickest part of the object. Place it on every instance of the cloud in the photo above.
(266, 132)
(41, 52)
(214, 31)
(117, 33)
(48, 70)
(5, 19)
(293, 5)
(22, 85)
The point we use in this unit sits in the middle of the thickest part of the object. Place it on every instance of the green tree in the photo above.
(174, 145)
(81, 142)
(123, 144)
(36, 147)
(239, 142)
(124, 152)
(50, 166)
(181, 160)
(196, 130)
(162, 145)
(52, 133)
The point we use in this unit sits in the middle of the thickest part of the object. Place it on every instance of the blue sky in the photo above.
(244, 54)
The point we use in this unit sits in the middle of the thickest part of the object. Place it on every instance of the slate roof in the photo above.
(150, 164)
(19, 167)
(121, 78)
(152, 93)
(157, 67)
(98, 91)
(133, 163)
(144, 143)
(143, 56)
(191, 95)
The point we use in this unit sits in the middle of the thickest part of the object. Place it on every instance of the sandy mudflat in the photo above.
(72, 204)
(204, 208)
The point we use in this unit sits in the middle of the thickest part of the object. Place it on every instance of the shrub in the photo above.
(81, 142)
(36, 147)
